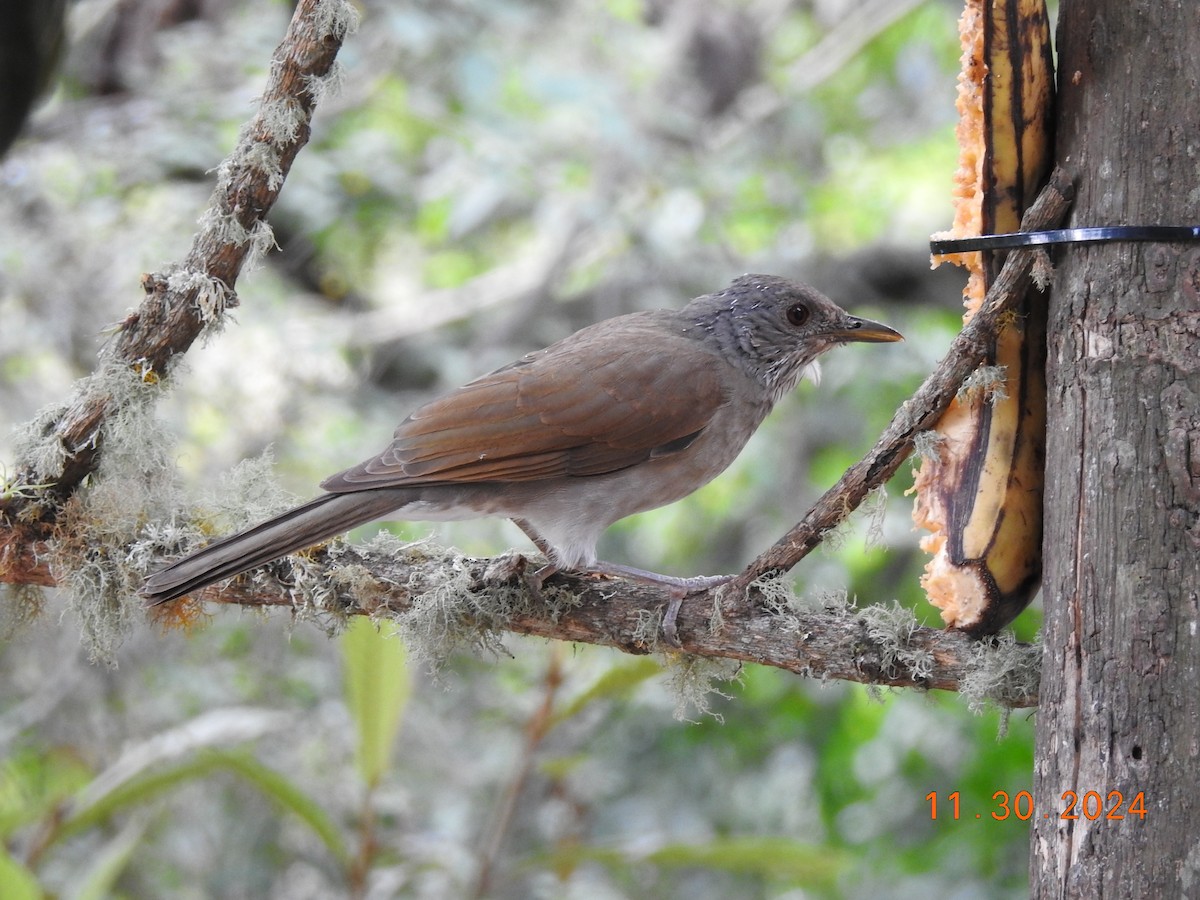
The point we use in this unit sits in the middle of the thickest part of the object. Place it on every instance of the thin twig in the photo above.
(535, 731)
(922, 411)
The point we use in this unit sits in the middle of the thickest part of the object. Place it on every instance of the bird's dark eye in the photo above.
(798, 314)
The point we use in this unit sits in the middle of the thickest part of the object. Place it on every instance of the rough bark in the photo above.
(1121, 668)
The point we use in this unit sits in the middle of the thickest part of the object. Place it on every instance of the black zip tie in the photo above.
(1096, 235)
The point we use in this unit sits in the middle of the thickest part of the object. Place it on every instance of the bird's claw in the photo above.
(535, 580)
(669, 627)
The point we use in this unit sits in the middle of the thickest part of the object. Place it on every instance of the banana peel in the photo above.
(980, 492)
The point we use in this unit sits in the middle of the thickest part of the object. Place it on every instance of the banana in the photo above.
(980, 492)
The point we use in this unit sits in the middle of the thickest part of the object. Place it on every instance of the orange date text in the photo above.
(1090, 805)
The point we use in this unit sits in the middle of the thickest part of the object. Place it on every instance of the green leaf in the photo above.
(776, 857)
(18, 882)
(274, 786)
(616, 683)
(133, 792)
(377, 688)
(34, 781)
(106, 865)
(288, 796)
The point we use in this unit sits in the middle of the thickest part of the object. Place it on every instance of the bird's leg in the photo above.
(679, 589)
(535, 580)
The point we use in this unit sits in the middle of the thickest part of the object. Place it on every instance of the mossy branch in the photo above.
(63, 446)
(441, 600)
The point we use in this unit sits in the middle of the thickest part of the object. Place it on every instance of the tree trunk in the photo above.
(1120, 707)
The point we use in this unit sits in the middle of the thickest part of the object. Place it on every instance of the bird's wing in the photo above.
(594, 403)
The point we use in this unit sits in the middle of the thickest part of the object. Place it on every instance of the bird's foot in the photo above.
(678, 588)
(516, 567)
(535, 580)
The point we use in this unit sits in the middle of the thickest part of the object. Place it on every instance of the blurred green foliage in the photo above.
(493, 175)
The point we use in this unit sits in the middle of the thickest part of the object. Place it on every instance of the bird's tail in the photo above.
(315, 521)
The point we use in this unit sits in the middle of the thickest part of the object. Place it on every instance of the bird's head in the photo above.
(775, 328)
